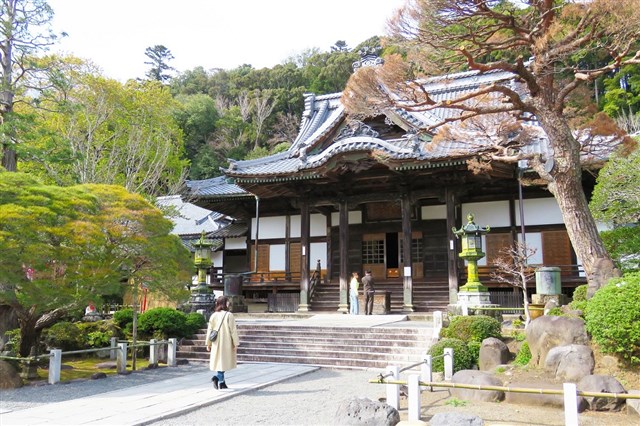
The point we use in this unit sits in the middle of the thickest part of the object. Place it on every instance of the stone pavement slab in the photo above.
(139, 405)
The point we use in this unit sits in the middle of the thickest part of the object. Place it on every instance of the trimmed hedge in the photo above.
(463, 358)
(474, 328)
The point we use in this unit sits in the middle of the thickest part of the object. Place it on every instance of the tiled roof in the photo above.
(191, 219)
(323, 114)
(236, 229)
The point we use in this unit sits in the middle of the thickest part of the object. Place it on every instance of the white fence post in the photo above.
(426, 372)
(570, 404)
(448, 363)
(153, 352)
(393, 391)
(171, 352)
(413, 384)
(437, 324)
(114, 345)
(121, 358)
(55, 365)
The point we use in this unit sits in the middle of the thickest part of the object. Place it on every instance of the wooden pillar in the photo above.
(305, 231)
(407, 279)
(451, 200)
(343, 232)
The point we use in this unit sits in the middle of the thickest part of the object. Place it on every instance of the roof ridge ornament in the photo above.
(369, 57)
(355, 128)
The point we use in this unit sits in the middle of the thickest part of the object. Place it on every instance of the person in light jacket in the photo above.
(354, 284)
(224, 350)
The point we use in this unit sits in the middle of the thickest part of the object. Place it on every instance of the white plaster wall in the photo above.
(355, 218)
(277, 255)
(237, 243)
(534, 241)
(539, 211)
(217, 259)
(492, 213)
(270, 227)
(433, 212)
(318, 225)
(318, 251)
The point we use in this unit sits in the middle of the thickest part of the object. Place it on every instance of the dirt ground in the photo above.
(503, 413)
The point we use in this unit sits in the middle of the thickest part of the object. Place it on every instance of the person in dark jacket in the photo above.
(369, 291)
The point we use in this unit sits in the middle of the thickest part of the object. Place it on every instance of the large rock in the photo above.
(605, 384)
(493, 352)
(570, 363)
(475, 377)
(9, 377)
(537, 399)
(455, 419)
(363, 411)
(547, 332)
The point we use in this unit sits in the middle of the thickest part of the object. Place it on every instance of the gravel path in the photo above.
(310, 399)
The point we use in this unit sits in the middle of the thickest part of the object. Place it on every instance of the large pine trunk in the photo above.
(565, 183)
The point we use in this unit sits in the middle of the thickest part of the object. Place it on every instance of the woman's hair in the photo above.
(222, 303)
(354, 274)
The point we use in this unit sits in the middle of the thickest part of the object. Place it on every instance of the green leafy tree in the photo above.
(25, 31)
(107, 132)
(159, 57)
(542, 45)
(63, 247)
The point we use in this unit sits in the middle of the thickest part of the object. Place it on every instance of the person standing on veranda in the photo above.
(354, 284)
(369, 292)
(224, 356)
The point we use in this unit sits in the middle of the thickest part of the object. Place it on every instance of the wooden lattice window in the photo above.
(373, 251)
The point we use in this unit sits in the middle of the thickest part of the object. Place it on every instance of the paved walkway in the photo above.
(144, 404)
(139, 405)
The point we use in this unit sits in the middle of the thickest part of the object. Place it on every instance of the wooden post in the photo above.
(305, 225)
(426, 371)
(171, 352)
(570, 404)
(452, 253)
(407, 279)
(344, 256)
(121, 358)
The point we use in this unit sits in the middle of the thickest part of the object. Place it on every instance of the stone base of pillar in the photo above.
(343, 308)
(237, 304)
(303, 307)
(542, 299)
(407, 309)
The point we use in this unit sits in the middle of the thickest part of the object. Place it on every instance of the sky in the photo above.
(114, 34)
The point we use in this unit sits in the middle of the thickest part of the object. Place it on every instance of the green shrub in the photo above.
(195, 322)
(13, 342)
(613, 318)
(555, 312)
(123, 318)
(163, 323)
(473, 328)
(580, 305)
(580, 293)
(98, 339)
(462, 356)
(98, 334)
(64, 335)
(524, 355)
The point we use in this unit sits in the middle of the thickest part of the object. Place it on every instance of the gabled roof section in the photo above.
(191, 219)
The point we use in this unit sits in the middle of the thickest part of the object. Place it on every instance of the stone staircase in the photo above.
(427, 296)
(396, 343)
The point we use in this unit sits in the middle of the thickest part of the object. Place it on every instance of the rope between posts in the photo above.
(381, 376)
(510, 389)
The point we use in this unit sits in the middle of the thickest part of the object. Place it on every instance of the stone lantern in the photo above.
(473, 293)
(202, 298)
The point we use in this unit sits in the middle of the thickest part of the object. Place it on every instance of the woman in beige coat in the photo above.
(224, 350)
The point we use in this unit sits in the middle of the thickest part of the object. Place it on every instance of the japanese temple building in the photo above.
(372, 195)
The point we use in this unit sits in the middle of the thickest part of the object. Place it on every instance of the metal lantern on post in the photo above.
(471, 236)
(202, 298)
